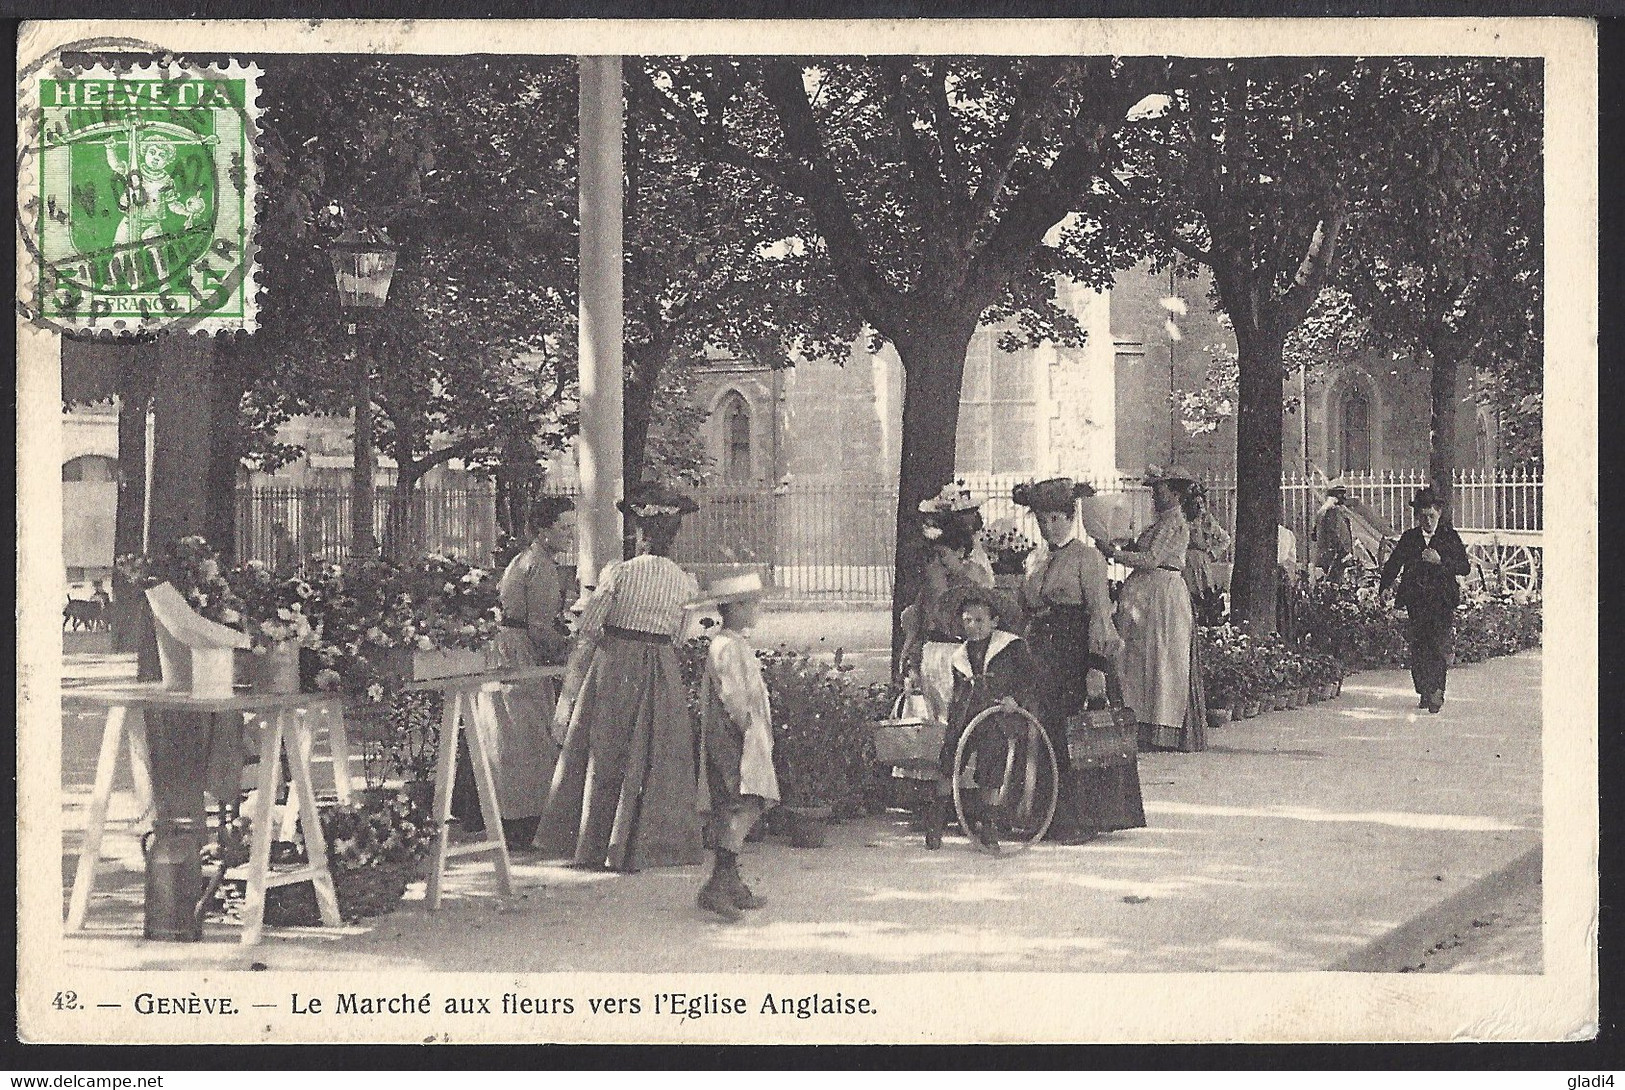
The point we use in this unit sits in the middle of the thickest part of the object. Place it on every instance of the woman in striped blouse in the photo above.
(624, 793)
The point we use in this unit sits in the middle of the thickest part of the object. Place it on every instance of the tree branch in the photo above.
(1058, 190)
(1316, 265)
(415, 469)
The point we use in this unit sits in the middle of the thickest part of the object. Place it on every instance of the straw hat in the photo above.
(1336, 485)
(732, 588)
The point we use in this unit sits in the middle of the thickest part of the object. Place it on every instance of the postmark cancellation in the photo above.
(138, 213)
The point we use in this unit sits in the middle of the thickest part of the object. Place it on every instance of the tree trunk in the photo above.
(643, 378)
(1254, 582)
(399, 539)
(226, 388)
(135, 399)
(1442, 419)
(934, 367)
(183, 435)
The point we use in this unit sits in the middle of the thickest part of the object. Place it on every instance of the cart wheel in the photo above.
(1028, 780)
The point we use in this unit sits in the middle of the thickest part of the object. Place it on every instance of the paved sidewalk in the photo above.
(1298, 839)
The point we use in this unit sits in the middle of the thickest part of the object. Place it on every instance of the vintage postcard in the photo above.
(807, 532)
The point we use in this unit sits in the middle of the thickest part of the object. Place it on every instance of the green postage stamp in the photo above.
(139, 215)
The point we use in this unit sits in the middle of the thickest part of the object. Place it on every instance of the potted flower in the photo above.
(376, 847)
(1007, 549)
(273, 612)
(1221, 677)
(821, 744)
(453, 618)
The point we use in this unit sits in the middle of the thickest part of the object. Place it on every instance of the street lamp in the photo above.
(363, 266)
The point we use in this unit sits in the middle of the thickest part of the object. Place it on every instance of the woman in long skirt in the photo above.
(533, 596)
(933, 629)
(1071, 633)
(624, 794)
(1155, 620)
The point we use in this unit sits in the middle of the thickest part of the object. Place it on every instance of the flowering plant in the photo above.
(370, 607)
(455, 603)
(1008, 550)
(272, 610)
(192, 567)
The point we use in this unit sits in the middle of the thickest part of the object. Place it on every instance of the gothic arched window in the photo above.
(736, 462)
(1354, 431)
(1484, 441)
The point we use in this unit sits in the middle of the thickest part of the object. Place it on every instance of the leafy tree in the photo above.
(943, 192)
(469, 164)
(1333, 335)
(1246, 174)
(715, 263)
(1444, 256)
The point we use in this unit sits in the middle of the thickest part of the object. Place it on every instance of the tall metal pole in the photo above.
(598, 448)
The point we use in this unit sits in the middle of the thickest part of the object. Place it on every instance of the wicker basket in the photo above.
(908, 742)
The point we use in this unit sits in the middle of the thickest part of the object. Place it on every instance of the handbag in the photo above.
(1104, 737)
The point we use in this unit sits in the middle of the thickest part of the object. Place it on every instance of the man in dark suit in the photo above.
(1427, 562)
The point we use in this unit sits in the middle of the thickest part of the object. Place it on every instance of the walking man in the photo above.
(1427, 562)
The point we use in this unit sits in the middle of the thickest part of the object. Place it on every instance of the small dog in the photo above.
(89, 614)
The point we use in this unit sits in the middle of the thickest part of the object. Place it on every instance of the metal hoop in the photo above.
(1033, 727)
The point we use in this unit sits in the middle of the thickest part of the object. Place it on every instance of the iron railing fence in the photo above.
(823, 541)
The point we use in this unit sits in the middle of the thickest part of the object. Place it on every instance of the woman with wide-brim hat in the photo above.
(1071, 632)
(624, 793)
(931, 632)
(1155, 618)
(954, 503)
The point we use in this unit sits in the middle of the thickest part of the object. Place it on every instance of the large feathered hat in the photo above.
(649, 499)
(955, 498)
(1055, 494)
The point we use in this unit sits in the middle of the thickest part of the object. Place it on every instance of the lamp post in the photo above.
(363, 266)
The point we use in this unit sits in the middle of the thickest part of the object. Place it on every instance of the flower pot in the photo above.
(807, 825)
(1218, 717)
(1251, 709)
(1238, 711)
(275, 669)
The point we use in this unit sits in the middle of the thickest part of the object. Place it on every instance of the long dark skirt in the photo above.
(1091, 800)
(624, 793)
